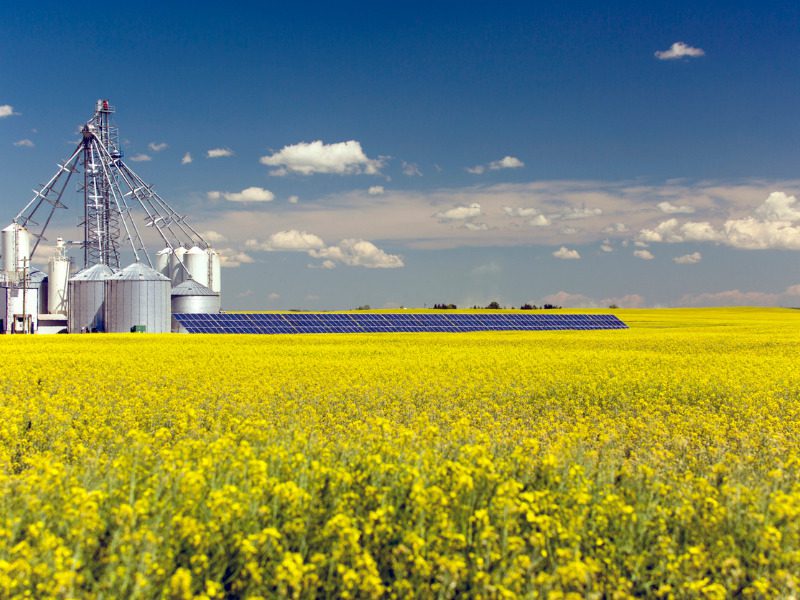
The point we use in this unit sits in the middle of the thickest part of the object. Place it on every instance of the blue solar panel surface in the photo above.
(389, 322)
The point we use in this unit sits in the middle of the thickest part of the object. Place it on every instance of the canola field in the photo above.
(661, 461)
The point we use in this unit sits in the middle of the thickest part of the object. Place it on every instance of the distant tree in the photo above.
(364, 307)
(527, 306)
(493, 305)
(612, 306)
(550, 307)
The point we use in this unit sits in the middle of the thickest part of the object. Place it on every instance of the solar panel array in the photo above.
(388, 322)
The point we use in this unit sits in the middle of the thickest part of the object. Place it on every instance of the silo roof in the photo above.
(138, 272)
(93, 273)
(190, 287)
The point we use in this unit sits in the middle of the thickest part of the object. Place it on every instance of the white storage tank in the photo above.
(16, 247)
(137, 299)
(214, 275)
(162, 261)
(58, 280)
(196, 261)
(19, 308)
(192, 297)
(177, 272)
(86, 299)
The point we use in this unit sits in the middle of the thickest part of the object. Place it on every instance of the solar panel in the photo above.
(257, 323)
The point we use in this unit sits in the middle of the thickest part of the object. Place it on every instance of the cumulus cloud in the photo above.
(643, 254)
(507, 162)
(411, 170)
(341, 158)
(679, 50)
(213, 236)
(141, 157)
(6, 110)
(219, 153)
(250, 194)
(774, 225)
(230, 258)
(187, 159)
(359, 253)
(606, 246)
(688, 259)
(375, 190)
(294, 199)
(460, 213)
(157, 147)
(289, 240)
(26, 143)
(671, 209)
(565, 253)
(520, 211)
(540, 221)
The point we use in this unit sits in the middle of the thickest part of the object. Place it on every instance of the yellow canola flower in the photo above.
(659, 461)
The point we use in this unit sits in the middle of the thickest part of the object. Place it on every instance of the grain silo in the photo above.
(214, 279)
(196, 261)
(137, 299)
(86, 299)
(193, 298)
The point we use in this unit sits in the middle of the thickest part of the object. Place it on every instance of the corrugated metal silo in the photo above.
(138, 296)
(192, 297)
(86, 294)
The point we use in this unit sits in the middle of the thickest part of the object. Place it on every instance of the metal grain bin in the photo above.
(137, 295)
(192, 297)
(86, 292)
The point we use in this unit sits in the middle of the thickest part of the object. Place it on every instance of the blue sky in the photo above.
(412, 153)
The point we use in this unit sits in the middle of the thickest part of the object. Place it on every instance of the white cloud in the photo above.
(6, 110)
(520, 211)
(688, 259)
(375, 190)
(606, 247)
(460, 213)
(679, 50)
(341, 158)
(411, 170)
(643, 254)
(779, 207)
(476, 226)
(289, 240)
(773, 226)
(671, 209)
(219, 153)
(273, 296)
(230, 258)
(540, 221)
(294, 199)
(327, 264)
(565, 253)
(359, 253)
(250, 194)
(213, 236)
(616, 228)
(157, 147)
(26, 143)
(507, 162)
(141, 157)
(187, 159)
